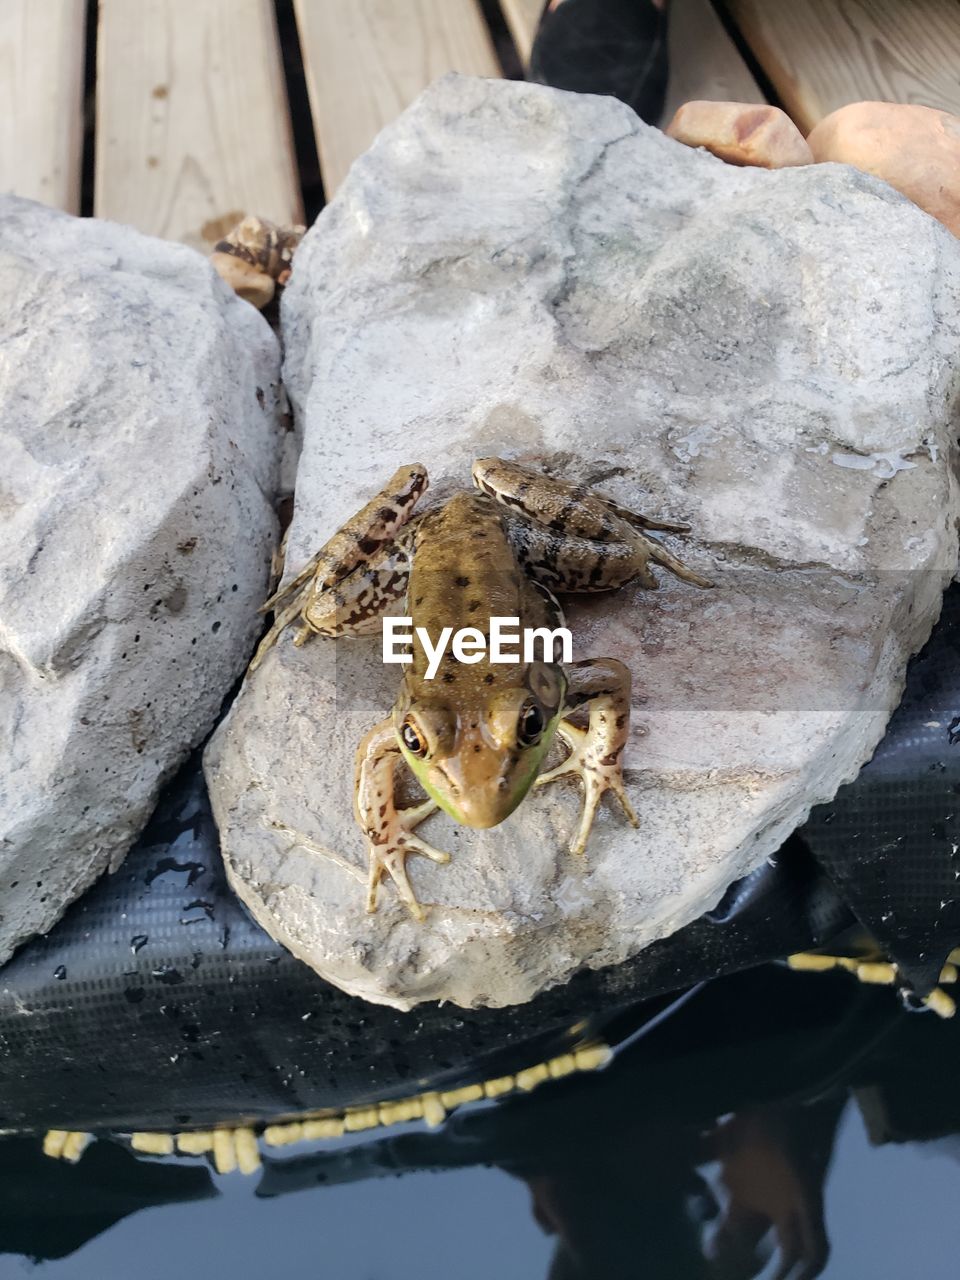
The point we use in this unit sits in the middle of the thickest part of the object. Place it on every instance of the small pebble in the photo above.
(916, 149)
(742, 133)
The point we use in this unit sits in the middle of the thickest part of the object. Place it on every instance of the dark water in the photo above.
(773, 1117)
(891, 1214)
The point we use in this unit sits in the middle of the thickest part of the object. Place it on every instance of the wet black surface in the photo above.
(891, 840)
(158, 1002)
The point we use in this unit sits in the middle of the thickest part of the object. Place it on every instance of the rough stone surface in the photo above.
(741, 133)
(916, 149)
(139, 437)
(771, 354)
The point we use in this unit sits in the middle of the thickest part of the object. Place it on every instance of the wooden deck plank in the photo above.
(704, 62)
(192, 122)
(367, 60)
(523, 19)
(41, 99)
(822, 54)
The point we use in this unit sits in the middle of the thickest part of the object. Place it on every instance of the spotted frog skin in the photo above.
(477, 734)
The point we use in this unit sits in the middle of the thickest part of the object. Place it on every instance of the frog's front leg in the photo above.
(389, 830)
(596, 753)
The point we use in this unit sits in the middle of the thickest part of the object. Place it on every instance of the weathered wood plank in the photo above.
(822, 54)
(704, 61)
(192, 122)
(523, 18)
(368, 59)
(41, 99)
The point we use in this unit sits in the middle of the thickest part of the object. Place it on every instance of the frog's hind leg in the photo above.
(356, 574)
(389, 830)
(602, 685)
(363, 535)
(353, 607)
(574, 538)
(372, 528)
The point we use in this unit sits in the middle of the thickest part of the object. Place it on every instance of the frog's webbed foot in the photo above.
(389, 829)
(390, 858)
(640, 521)
(649, 551)
(596, 753)
(282, 619)
(597, 775)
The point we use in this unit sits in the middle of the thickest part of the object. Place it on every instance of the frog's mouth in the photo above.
(479, 812)
(482, 784)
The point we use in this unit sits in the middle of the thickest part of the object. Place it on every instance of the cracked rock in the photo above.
(139, 438)
(772, 355)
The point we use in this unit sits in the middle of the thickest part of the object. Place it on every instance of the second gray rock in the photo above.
(773, 356)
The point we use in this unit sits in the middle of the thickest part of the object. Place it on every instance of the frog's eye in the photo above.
(530, 724)
(413, 740)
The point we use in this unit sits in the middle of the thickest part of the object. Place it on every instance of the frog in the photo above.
(476, 736)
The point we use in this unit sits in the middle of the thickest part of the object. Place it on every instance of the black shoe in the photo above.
(616, 47)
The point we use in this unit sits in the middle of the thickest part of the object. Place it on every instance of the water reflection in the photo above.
(702, 1152)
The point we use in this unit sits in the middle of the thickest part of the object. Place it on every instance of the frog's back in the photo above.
(464, 568)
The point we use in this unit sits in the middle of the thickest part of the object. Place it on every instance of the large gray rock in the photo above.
(773, 355)
(139, 437)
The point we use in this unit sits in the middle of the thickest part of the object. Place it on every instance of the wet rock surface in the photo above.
(139, 436)
(771, 355)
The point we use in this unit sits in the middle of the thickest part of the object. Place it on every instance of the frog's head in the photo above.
(477, 748)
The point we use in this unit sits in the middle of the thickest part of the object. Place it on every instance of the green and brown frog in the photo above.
(477, 734)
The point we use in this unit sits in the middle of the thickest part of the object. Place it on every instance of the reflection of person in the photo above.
(616, 47)
(639, 1195)
(720, 1153)
(705, 1146)
(773, 1163)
